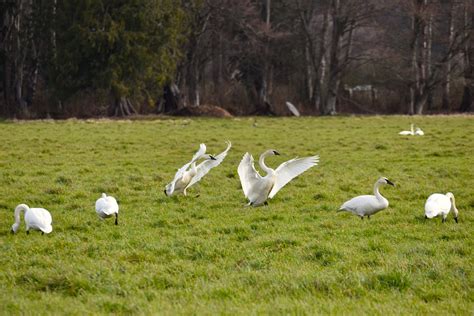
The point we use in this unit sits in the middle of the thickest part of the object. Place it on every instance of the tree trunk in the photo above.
(329, 107)
(468, 54)
(321, 65)
(123, 107)
(447, 79)
(415, 84)
(428, 47)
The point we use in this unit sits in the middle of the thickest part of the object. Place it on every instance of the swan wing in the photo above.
(436, 204)
(290, 170)
(179, 174)
(247, 174)
(39, 218)
(204, 167)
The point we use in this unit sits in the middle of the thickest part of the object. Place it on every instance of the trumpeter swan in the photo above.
(367, 205)
(258, 189)
(419, 132)
(189, 174)
(107, 206)
(410, 132)
(35, 219)
(441, 204)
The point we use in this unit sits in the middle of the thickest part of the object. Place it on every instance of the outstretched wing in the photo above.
(204, 167)
(290, 170)
(247, 173)
(179, 174)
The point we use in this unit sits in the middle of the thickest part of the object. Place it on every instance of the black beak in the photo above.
(276, 153)
(456, 220)
(390, 182)
(11, 231)
(165, 192)
(212, 157)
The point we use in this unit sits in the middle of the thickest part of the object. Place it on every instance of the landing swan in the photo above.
(107, 206)
(441, 204)
(258, 189)
(189, 174)
(35, 219)
(367, 205)
(410, 132)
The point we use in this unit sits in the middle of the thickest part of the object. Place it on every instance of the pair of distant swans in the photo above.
(40, 219)
(257, 189)
(412, 131)
(366, 205)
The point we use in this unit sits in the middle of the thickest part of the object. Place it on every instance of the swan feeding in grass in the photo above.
(35, 219)
(441, 204)
(410, 132)
(189, 174)
(258, 189)
(419, 132)
(367, 205)
(107, 206)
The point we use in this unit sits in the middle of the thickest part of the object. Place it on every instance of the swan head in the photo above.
(384, 180)
(104, 195)
(15, 228)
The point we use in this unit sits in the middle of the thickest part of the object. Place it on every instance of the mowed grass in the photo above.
(210, 254)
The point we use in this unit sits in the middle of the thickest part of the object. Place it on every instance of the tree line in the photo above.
(64, 58)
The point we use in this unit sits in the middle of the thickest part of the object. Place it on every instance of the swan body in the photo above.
(419, 132)
(258, 189)
(367, 205)
(35, 219)
(190, 173)
(107, 206)
(410, 132)
(441, 204)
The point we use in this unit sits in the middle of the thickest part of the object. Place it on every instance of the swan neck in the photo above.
(453, 206)
(18, 209)
(377, 192)
(261, 162)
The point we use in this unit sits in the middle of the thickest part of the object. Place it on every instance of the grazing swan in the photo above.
(35, 218)
(410, 132)
(419, 132)
(258, 189)
(107, 206)
(189, 174)
(367, 205)
(440, 204)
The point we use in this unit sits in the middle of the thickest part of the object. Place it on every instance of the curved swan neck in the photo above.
(411, 128)
(18, 209)
(453, 205)
(261, 162)
(376, 190)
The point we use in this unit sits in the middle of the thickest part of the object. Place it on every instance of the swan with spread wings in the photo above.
(190, 173)
(258, 189)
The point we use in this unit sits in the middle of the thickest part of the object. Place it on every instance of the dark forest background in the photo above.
(62, 58)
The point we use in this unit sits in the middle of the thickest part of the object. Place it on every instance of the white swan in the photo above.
(410, 132)
(189, 174)
(35, 219)
(441, 204)
(367, 205)
(107, 206)
(258, 189)
(419, 132)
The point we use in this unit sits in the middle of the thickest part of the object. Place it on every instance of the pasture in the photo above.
(209, 254)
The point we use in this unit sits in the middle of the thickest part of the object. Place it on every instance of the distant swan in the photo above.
(419, 132)
(107, 206)
(35, 219)
(441, 204)
(367, 205)
(189, 174)
(410, 132)
(258, 189)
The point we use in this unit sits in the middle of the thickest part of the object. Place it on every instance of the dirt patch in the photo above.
(203, 110)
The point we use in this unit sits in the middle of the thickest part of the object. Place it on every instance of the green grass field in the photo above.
(210, 254)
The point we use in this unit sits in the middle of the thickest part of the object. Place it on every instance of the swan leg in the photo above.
(27, 232)
(42, 233)
(443, 220)
(116, 218)
(368, 216)
(362, 217)
(426, 217)
(265, 203)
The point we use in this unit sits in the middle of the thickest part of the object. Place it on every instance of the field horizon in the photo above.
(209, 254)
